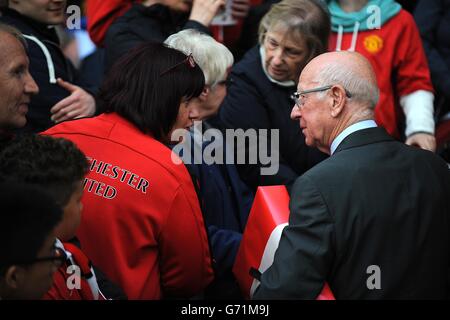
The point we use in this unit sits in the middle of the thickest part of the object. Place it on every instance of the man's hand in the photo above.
(203, 11)
(422, 140)
(78, 105)
(240, 8)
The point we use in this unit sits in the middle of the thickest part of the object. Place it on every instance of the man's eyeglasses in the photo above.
(299, 96)
(189, 61)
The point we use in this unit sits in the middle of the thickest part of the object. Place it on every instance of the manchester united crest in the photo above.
(373, 44)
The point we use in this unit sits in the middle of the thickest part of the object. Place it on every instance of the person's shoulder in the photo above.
(343, 164)
(138, 12)
(404, 18)
(125, 21)
(128, 140)
(249, 63)
(422, 156)
(135, 10)
(249, 73)
(85, 126)
(330, 167)
(107, 127)
(9, 17)
(140, 21)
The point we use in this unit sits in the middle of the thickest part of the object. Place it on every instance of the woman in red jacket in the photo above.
(142, 223)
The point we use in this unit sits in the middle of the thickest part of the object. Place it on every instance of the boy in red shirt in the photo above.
(59, 167)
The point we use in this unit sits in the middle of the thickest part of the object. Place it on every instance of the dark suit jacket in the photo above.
(375, 202)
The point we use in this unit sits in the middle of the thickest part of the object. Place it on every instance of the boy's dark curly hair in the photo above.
(28, 215)
(55, 164)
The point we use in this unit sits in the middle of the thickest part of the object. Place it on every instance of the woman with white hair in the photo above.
(290, 34)
(225, 199)
(214, 59)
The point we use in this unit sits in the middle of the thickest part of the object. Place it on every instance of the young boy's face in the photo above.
(50, 12)
(34, 280)
(40, 274)
(68, 226)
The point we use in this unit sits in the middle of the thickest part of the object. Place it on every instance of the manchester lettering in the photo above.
(100, 189)
(116, 173)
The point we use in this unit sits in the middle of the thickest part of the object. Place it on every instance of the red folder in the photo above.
(268, 216)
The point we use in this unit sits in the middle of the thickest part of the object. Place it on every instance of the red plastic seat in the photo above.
(268, 216)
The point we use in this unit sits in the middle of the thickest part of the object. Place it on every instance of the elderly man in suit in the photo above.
(373, 219)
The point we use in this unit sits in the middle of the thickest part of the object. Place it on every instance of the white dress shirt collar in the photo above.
(349, 130)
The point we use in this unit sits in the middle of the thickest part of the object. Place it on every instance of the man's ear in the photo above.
(339, 100)
(14, 276)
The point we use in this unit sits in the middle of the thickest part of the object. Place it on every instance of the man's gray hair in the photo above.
(361, 89)
(212, 57)
(6, 28)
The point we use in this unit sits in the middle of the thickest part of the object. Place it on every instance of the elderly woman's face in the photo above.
(208, 103)
(285, 57)
(50, 12)
(187, 114)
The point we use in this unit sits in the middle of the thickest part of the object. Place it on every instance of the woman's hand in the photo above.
(203, 11)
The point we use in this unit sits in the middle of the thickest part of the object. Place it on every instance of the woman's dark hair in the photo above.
(147, 85)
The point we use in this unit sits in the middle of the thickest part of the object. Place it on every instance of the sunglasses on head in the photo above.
(189, 61)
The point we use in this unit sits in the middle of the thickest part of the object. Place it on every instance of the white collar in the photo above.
(365, 124)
